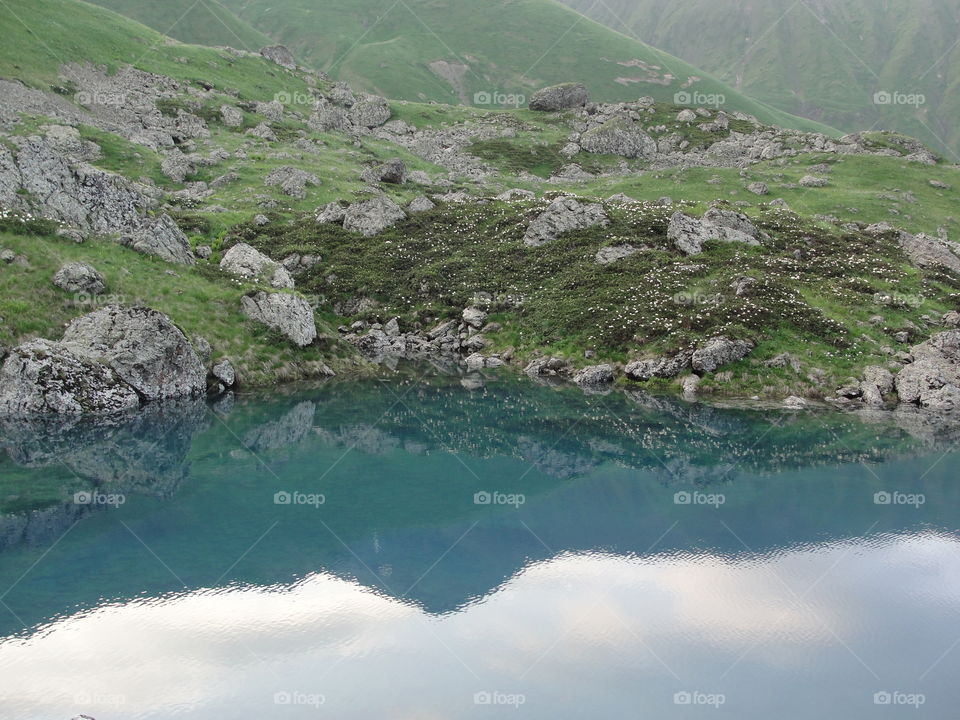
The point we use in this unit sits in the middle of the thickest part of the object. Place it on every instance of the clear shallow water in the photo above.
(781, 588)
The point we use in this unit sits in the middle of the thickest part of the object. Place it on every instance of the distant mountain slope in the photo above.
(467, 51)
(817, 59)
(202, 22)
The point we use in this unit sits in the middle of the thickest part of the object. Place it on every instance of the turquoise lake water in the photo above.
(444, 548)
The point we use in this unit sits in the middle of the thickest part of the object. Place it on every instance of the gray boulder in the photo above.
(230, 116)
(932, 380)
(927, 251)
(612, 253)
(372, 216)
(474, 317)
(688, 234)
(289, 314)
(223, 371)
(812, 181)
(619, 136)
(758, 188)
(78, 277)
(660, 367)
(420, 204)
(560, 97)
(548, 366)
(249, 263)
(331, 213)
(162, 238)
(144, 348)
(43, 377)
(717, 352)
(292, 181)
(281, 55)
(393, 171)
(594, 375)
(564, 214)
(370, 112)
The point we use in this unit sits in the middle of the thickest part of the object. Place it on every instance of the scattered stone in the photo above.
(331, 213)
(688, 234)
(281, 55)
(474, 317)
(370, 112)
(932, 380)
(594, 375)
(619, 136)
(660, 367)
(261, 220)
(689, 386)
(287, 313)
(79, 277)
(164, 239)
(939, 185)
(548, 366)
(784, 360)
(795, 402)
(812, 181)
(223, 371)
(420, 204)
(928, 251)
(758, 188)
(686, 116)
(264, 132)
(517, 194)
(564, 214)
(292, 181)
(393, 171)
(612, 253)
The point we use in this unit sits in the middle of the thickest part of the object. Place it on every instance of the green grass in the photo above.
(200, 300)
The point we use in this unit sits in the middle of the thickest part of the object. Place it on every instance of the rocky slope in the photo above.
(641, 242)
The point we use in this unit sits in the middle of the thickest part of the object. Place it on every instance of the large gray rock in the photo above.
(932, 380)
(619, 136)
(612, 253)
(372, 216)
(560, 97)
(659, 367)
(249, 263)
(281, 55)
(331, 213)
(230, 116)
(688, 233)
(927, 251)
(287, 313)
(564, 214)
(43, 377)
(327, 117)
(594, 375)
(162, 238)
(717, 352)
(292, 181)
(143, 347)
(392, 171)
(370, 112)
(79, 277)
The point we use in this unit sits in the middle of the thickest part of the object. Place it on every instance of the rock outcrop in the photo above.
(143, 347)
(932, 380)
(79, 277)
(619, 136)
(688, 234)
(719, 351)
(926, 251)
(372, 216)
(281, 55)
(564, 214)
(247, 262)
(162, 238)
(288, 314)
(560, 97)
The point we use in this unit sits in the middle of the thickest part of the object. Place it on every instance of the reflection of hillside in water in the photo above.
(399, 465)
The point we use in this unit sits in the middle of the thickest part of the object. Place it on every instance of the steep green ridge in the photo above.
(201, 22)
(820, 60)
(455, 51)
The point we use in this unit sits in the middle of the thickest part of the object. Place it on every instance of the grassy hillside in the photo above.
(821, 60)
(201, 22)
(455, 51)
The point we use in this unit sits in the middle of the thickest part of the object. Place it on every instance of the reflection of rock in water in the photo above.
(142, 451)
(545, 457)
(289, 429)
(367, 439)
(39, 527)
